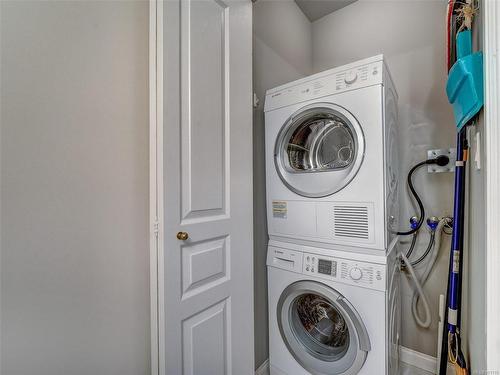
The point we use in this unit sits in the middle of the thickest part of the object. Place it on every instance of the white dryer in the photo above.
(331, 157)
(332, 312)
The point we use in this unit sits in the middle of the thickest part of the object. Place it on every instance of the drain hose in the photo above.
(428, 268)
(427, 311)
(419, 282)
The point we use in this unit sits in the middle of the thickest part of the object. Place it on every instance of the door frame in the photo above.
(156, 190)
(156, 244)
(491, 12)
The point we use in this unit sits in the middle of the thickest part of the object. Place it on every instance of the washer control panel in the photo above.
(348, 271)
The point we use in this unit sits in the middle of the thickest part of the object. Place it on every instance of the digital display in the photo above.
(327, 267)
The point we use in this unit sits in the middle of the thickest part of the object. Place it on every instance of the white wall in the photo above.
(282, 52)
(412, 37)
(474, 321)
(74, 193)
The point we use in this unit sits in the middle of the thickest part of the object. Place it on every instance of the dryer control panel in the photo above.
(348, 271)
(333, 81)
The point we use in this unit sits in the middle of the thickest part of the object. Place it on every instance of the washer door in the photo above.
(319, 150)
(321, 329)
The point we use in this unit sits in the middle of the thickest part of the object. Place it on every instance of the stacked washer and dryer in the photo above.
(332, 212)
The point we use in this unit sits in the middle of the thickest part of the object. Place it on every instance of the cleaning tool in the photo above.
(451, 347)
(465, 81)
(465, 93)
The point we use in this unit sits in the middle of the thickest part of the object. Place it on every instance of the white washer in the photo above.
(332, 312)
(331, 158)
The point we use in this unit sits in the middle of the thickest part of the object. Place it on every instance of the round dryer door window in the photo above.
(319, 150)
(321, 329)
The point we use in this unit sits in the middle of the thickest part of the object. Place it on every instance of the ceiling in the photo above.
(315, 9)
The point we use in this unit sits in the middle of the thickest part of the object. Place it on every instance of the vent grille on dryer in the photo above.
(351, 222)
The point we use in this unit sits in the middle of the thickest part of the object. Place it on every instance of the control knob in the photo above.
(350, 77)
(356, 273)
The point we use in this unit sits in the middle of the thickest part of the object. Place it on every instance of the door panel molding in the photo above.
(205, 192)
(210, 327)
(205, 264)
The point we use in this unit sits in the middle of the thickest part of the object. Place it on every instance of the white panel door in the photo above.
(206, 271)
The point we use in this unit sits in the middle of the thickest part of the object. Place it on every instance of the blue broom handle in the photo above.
(457, 237)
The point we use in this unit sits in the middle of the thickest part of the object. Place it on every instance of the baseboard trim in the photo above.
(263, 368)
(408, 356)
(417, 359)
(421, 361)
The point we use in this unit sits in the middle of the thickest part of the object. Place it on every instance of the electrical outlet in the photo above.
(450, 167)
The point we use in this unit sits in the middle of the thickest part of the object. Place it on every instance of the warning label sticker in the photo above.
(279, 209)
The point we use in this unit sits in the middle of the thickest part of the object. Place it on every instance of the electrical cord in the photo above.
(441, 160)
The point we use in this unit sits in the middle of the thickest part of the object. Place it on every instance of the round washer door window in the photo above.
(322, 331)
(319, 150)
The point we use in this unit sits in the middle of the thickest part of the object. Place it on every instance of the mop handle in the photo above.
(451, 312)
(458, 235)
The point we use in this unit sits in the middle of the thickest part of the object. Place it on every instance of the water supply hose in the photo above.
(412, 246)
(430, 246)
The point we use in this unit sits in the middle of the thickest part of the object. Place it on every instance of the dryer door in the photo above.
(319, 150)
(321, 329)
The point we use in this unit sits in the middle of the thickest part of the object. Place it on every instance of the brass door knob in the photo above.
(183, 236)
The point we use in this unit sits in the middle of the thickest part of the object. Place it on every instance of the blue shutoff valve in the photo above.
(413, 222)
(432, 223)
